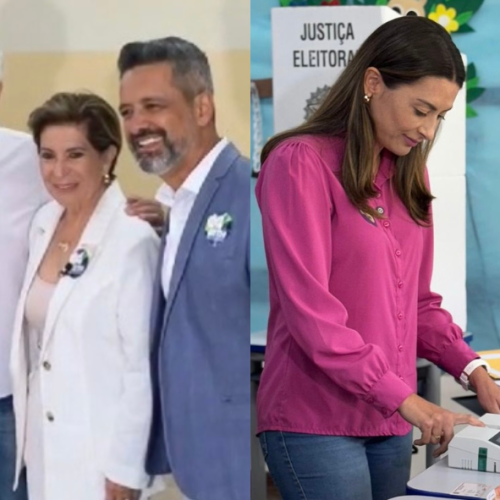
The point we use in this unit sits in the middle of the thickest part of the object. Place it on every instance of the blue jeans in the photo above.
(312, 467)
(8, 454)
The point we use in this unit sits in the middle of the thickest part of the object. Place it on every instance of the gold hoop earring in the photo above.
(366, 98)
(107, 179)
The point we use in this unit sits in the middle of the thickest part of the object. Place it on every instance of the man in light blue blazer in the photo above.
(201, 309)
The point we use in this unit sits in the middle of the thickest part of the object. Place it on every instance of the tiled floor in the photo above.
(449, 390)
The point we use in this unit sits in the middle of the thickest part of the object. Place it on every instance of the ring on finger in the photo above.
(437, 437)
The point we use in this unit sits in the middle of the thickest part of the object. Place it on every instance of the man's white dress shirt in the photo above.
(180, 203)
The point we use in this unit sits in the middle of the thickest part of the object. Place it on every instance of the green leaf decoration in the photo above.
(471, 71)
(467, 5)
(293, 3)
(465, 28)
(464, 17)
(431, 6)
(470, 112)
(472, 83)
(474, 93)
(463, 5)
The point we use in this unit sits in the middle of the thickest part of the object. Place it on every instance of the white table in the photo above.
(441, 480)
(414, 497)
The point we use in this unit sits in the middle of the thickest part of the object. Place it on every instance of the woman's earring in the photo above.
(366, 98)
(107, 179)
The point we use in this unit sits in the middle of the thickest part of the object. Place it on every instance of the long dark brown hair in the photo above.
(403, 50)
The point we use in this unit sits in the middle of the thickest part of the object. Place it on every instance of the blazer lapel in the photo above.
(197, 216)
(92, 239)
(158, 304)
(42, 236)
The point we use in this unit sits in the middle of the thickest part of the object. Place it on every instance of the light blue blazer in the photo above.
(201, 345)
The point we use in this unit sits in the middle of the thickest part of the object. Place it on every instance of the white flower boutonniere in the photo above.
(218, 227)
(77, 263)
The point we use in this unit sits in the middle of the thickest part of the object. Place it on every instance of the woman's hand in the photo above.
(488, 392)
(118, 492)
(436, 423)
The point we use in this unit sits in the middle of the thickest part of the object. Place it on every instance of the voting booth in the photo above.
(477, 448)
(470, 470)
(311, 46)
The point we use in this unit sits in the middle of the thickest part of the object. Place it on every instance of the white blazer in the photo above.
(95, 375)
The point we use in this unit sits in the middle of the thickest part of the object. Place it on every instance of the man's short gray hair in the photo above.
(190, 66)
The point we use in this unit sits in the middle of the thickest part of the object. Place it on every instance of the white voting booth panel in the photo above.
(311, 47)
(447, 157)
(448, 278)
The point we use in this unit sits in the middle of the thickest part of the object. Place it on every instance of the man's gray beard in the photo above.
(158, 164)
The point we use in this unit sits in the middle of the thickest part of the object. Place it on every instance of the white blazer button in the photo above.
(47, 365)
(50, 417)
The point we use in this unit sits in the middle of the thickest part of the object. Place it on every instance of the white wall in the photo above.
(49, 25)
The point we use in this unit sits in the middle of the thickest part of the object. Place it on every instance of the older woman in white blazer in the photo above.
(79, 361)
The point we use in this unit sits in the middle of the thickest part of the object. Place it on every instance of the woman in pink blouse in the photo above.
(346, 212)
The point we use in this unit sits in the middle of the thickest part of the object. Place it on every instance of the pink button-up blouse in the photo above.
(350, 302)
